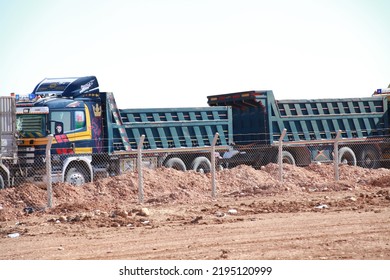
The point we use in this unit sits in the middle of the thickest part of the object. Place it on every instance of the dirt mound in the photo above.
(383, 182)
(162, 186)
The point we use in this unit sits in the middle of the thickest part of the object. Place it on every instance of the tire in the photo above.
(369, 158)
(201, 164)
(288, 158)
(2, 185)
(75, 177)
(176, 163)
(347, 155)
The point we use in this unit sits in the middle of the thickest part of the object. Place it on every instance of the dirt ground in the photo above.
(254, 216)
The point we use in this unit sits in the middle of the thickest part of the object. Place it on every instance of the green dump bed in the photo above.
(166, 128)
(258, 117)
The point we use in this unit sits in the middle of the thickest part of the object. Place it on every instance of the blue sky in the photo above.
(174, 53)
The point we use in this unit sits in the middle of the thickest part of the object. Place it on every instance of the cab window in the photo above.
(73, 120)
(79, 119)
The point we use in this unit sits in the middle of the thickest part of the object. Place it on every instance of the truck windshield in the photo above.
(31, 125)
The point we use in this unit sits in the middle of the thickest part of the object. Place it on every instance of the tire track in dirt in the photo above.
(331, 235)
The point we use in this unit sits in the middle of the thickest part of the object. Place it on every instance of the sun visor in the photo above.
(67, 87)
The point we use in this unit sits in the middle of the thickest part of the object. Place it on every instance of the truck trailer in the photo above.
(311, 125)
(8, 138)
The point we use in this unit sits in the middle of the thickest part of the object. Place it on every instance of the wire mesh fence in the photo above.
(47, 164)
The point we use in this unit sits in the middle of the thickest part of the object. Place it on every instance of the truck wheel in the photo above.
(201, 164)
(288, 158)
(369, 158)
(75, 177)
(176, 163)
(2, 185)
(346, 155)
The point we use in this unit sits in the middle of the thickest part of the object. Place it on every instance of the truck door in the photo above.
(75, 136)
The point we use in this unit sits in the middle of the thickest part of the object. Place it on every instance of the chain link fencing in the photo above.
(47, 165)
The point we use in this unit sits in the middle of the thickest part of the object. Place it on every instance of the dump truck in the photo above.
(92, 137)
(8, 140)
(311, 127)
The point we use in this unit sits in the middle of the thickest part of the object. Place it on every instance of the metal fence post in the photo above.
(48, 172)
(212, 157)
(280, 154)
(336, 155)
(139, 165)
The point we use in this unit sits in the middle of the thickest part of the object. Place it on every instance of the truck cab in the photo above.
(69, 110)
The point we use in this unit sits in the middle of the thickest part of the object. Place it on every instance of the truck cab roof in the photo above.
(67, 87)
